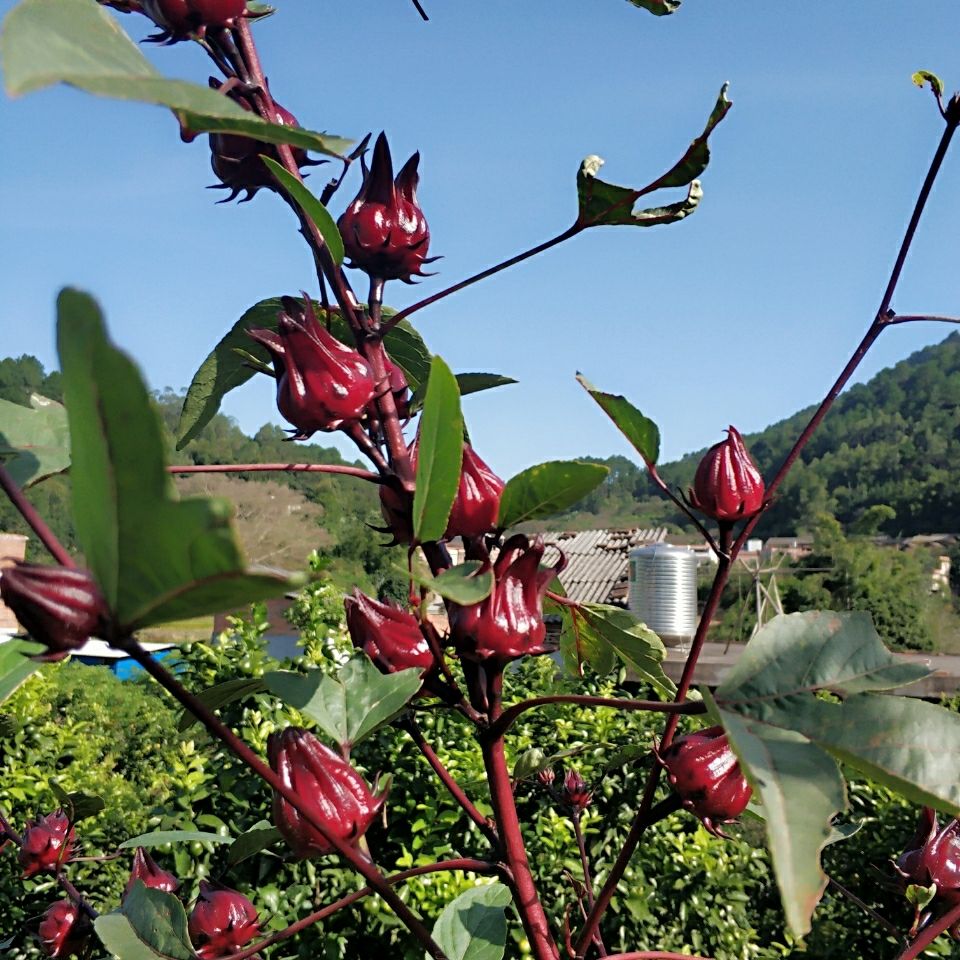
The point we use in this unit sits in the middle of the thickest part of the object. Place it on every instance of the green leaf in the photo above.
(159, 837)
(155, 558)
(220, 695)
(474, 926)
(78, 805)
(34, 440)
(529, 763)
(351, 706)
(158, 920)
(468, 383)
(659, 8)
(580, 644)
(16, 665)
(633, 642)
(120, 940)
(77, 42)
(802, 790)
(226, 366)
(641, 431)
(922, 77)
(439, 454)
(259, 837)
(546, 489)
(462, 584)
(312, 208)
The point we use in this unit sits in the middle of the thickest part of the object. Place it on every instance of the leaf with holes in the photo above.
(34, 440)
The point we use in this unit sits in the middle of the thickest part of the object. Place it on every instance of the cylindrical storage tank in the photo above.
(663, 591)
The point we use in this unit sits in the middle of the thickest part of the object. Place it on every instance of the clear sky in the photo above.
(740, 314)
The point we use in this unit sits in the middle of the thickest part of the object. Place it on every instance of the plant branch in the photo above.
(684, 507)
(223, 733)
(853, 898)
(510, 715)
(893, 318)
(420, 10)
(472, 866)
(347, 471)
(482, 275)
(929, 934)
(36, 523)
(455, 790)
(654, 955)
(585, 866)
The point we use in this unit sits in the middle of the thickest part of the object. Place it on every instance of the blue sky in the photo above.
(740, 314)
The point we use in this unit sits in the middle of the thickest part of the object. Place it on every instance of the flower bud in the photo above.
(575, 792)
(384, 230)
(178, 19)
(145, 868)
(477, 504)
(389, 636)
(933, 857)
(321, 382)
(727, 485)
(546, 776)
(46, 844)
(59, 607)
(706, 774)
(509, 622)
(334, 793)
(64, 930)
(222, 922)
(236, 160)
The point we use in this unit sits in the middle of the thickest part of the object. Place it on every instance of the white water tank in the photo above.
(663, 591)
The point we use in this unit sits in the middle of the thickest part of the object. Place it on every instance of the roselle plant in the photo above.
(345, 361)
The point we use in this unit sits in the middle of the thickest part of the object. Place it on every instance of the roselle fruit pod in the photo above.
(46, 844)
(509, 622)
(384, 231)
(396, 507)
(145, 868)
(389, 636)
(60, 607)
(575, 792)
(322, 383)
(222, 922)
(335, 794)
(933, 857)
(180, 19)
(236, 160)
(477, 504)
(706, 774)
(64, 930)
(399, 388)
(727, 485)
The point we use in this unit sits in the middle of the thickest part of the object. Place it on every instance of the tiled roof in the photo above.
(598, 560)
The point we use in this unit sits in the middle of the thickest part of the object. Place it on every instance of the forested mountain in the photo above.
(894, 440)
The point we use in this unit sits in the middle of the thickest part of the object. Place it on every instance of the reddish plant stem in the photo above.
(526, 898)
(455, 790)
(36, 523)
(681, 503)
(223, 733)
(469, 865)
(853, 898)
(482, 275)
(929, 934)
(276, 467)
(919, 318)
(654, 955)
(585, 866)
(510, 715)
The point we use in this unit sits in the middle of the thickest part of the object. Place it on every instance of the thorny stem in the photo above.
(454, 788)
(470, 865)
(44, 534)
(512, 713)
(482, 275)
(276, 467)
(223, 733)
(929, 934)
(728, 552)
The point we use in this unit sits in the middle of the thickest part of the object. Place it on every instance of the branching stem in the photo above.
(36, 523)
(347, 471)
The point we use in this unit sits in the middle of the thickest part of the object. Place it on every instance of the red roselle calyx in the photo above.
(399, 388)
(145, 868)
(389, 636)
(706, 774)
(575, 792)
(508, 623)
(46, 844)
(334, 793)
(64, 930)
(60, 607)
(727, 485)
(222, 922)
(178, 19)
(475, 509)
(384, 230)
(321, 383)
